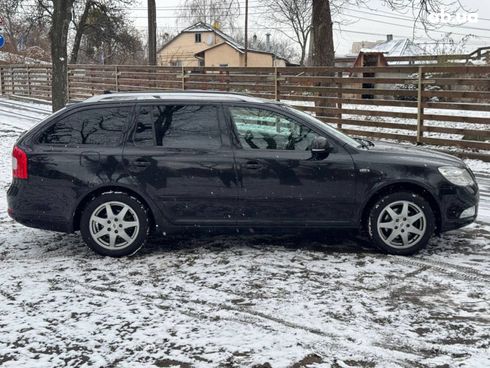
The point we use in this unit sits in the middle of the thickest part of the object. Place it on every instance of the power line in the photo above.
(364, 6)
(417, 28)
(408, 19)
(177, 16)
(346, 30)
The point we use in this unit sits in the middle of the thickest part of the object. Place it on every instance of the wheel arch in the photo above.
(112, 188)
(402, 187)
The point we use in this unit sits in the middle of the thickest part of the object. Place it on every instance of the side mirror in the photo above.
(320, 144)
(320, 148)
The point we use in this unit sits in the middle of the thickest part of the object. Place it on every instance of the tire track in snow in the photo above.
(465, 273)
(18, 115)
(336, 342)
(484, 205)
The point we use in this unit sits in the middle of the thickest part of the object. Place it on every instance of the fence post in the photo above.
(49, 78)
(276, 84)
(28, 81)
(2, 82)
(183, 78)
(420, 107)
(12, 90)
(339, 103)
(116, 70)
(67, 83)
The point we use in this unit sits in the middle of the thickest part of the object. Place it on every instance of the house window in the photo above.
(197, 37)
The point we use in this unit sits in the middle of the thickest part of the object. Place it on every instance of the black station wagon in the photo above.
(119, 166)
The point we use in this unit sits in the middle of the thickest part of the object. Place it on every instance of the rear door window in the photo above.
(178, 126)
(99, 126)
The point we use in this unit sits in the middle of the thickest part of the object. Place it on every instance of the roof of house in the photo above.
(240, 49)
(400, 47)
(13, 58)
(204, 27)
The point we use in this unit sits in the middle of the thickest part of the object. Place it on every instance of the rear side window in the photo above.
(178, 126)
(101, 126)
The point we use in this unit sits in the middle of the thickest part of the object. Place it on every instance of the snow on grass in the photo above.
(479, 167)
(228, 300)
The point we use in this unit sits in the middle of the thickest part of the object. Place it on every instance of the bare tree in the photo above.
(281, 47)
(163, 37)
(79, 20)
(296, 15)
(83, 10)
(20, 22)
(448, 45)
(9, 11)
(300, 19)
(225, 12)
(59, 13)
(110, 38)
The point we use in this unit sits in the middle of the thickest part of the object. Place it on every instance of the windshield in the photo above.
(324, 126)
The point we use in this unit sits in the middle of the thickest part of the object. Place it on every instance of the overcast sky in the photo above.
(360, 23)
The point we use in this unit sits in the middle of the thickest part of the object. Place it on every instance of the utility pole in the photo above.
(152, 33)
(246, 32)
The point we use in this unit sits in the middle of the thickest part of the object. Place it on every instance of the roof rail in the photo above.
(121, 96)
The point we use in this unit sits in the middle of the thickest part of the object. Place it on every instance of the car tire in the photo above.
(115, 224)
(401, 223)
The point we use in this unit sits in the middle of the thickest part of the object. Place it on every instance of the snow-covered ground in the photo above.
(313, 300)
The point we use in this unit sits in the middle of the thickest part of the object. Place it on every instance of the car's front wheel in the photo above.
(401, 223)
(115, 224)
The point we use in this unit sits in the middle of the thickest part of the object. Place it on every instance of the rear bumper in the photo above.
(45, 223)
(30, 207)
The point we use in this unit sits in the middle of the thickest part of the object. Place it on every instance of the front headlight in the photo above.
(456, 175)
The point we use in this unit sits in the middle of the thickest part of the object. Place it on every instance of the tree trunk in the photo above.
(152, 33)
(79, 34)
(58, 35)
(322, 49)
(303, 55)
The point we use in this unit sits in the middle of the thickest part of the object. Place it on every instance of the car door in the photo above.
(178, 155)
(280, 180)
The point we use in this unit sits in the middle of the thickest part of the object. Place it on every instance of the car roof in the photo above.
(189, 95)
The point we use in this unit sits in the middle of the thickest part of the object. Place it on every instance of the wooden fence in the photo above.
(444, 107)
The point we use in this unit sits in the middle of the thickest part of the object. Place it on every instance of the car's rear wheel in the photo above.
(401, 223)
(115, 224)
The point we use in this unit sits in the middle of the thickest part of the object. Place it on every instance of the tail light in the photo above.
(19, 163)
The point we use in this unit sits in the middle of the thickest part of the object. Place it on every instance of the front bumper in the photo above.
(455, 200)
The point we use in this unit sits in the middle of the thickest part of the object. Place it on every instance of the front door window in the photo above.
(267, 130)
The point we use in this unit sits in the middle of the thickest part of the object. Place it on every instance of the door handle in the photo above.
(252, 165)
(141, 162)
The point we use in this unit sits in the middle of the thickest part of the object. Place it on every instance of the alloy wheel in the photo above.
(114, 225)
(401, 224)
